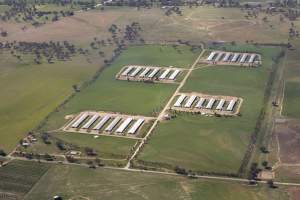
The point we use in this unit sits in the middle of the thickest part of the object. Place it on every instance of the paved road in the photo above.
(163, 112)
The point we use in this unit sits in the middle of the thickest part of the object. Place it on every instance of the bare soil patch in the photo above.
(79, 28)
(294, 193)
(289, 141)
(231, 25)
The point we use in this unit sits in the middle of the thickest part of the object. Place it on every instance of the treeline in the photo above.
(24, 10)
(29, 13)
(158, 166)
(158, 3)
(261, 122)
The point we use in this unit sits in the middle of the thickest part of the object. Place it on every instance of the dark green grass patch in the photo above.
(291, 99)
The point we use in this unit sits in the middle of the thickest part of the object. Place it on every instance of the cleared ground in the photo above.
(288, 174)
(213, 144)
(289, 140)
(81, 183)
(288, 134)
(294, 193)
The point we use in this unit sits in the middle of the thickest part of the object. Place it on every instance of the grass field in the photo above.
(31, 91)
(106, 147)
(81, 183)
(18, 177)
(109, 94)
(213, 144)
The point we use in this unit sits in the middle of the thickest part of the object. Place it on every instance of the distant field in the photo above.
(81, 183)
(18, 177)
(29, 92)
(204, 23)
(213, 144)
(109, 94)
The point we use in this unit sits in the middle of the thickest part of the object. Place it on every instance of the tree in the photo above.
(2, 152)
(60, 145)
(180, 170)
(45, 138)
(90, 152)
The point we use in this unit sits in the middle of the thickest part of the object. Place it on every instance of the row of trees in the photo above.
(23, 10)
(49, 51)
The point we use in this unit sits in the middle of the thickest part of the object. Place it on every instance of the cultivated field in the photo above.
(80, 183)
(18, 177)
(289, 137)
(285, 151)
(206, 143)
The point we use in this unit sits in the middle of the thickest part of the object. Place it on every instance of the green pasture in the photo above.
(30, 92)
(109, 94)
(213, 144)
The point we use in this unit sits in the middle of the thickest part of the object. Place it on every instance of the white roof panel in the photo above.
(110, 127)
(79, 120)
(180, 100)
(91, 121)
(124, 125)
(102, 122)
(136, 125)
(174, 74)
